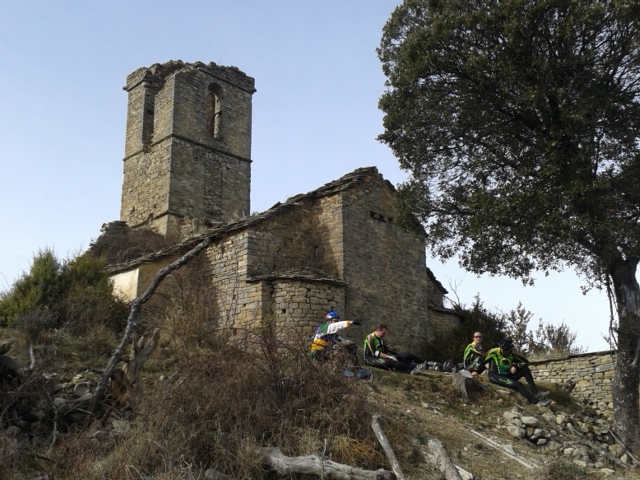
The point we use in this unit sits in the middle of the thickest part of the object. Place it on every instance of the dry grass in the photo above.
(216, 408)
(208, 399)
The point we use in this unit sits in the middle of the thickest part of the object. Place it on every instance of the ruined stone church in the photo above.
(187, 175)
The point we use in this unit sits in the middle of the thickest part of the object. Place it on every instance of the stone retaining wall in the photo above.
(592, 373)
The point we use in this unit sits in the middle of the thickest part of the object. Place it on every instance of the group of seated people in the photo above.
(504, 366)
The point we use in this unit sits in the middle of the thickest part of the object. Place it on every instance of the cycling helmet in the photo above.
(332, 316)
(506, 344)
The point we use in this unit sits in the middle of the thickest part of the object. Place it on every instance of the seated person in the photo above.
(378, 354)
(506, 368)
(474, 354)
(326, 338)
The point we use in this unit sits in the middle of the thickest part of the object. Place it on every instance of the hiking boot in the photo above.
(418, 368)
(542, 403)
(541, 395)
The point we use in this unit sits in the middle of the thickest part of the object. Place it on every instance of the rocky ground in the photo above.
(495, 434)
(491, 434)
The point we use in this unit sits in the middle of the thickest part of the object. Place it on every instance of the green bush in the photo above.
(476, 318)
(75, 294)
(39, 288)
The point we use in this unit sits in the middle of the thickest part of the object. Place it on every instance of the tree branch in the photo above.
(132, 321)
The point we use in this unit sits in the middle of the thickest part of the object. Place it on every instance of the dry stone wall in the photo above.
(591, 372)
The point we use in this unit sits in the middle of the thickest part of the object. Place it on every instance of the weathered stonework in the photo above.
(336, 247)
(188, 146)
(591, 372)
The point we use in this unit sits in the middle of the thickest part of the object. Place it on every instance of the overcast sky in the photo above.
(315, 118)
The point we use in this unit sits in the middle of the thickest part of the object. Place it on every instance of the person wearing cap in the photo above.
(326, 338)
(474, 354)
(506, 368)
(378, 354)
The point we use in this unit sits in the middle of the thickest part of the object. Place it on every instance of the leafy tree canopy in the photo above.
(519, 122)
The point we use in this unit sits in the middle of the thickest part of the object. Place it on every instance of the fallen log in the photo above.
(314, 465)
(386, 446)
(439, 457)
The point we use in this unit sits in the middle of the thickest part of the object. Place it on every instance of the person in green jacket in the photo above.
(473, 356)
(506, 368)
(378, 354)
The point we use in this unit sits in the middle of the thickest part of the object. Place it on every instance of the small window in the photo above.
(214, 109)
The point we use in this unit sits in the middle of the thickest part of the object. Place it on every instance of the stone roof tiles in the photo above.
(346, 182)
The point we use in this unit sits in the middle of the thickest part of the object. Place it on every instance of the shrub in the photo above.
(75, 294)
(222, 404)
(451, 345)
(39, 288)
(127, 244)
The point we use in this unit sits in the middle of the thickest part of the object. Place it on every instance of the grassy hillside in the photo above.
(210, 397)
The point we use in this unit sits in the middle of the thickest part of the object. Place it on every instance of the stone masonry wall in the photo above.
(385, 268)
(145, 188)
(299, 306)
(175, 163)
(306, 237)
(443, 321)
(592, 372)
(239, 304)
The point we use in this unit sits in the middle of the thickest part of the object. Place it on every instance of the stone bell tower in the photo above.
(188, 147)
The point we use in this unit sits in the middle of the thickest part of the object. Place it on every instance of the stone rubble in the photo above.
(584, 438)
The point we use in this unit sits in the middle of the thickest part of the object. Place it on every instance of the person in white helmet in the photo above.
(326, 338)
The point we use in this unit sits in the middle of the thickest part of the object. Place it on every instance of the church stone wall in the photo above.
(304, 238)
(385, 267)
(300, 305)
(239, 303)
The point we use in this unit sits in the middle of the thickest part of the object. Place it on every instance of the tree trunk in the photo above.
(627, 375)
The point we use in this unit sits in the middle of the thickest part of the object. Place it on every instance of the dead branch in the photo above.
(617, 439)
(439, 457)
(132, 321)
(501, 449)
(32, 356)
(123, 379)
(313, 465)
(386, 446)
